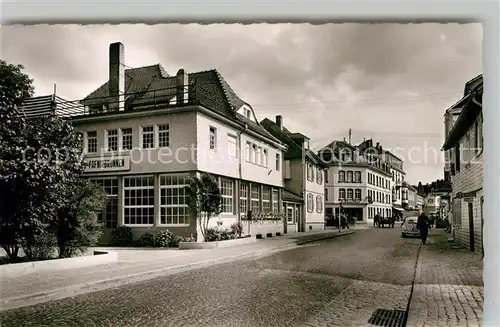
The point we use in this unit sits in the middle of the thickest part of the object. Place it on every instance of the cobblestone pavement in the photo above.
(448, 287)
(334, 283)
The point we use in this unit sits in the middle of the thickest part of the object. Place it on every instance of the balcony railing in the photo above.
(195, 94)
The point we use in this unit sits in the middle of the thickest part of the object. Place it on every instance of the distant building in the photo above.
(304, 179)
(409, 197)
(357, 183)
(465, 144)
(396, 169)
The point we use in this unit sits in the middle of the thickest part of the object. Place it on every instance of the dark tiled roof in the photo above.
(293, 149)
(290, 196)
(467, 117)
(210, 88)
(315, 159)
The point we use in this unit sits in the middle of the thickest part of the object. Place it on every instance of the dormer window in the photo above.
(248, 114)
(306, 144)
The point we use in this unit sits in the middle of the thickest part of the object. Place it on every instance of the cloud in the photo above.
(389, 81)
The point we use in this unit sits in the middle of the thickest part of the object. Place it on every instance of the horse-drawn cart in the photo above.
(382, 221)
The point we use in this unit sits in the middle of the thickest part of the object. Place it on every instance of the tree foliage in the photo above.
(204, 200)
(40, 166)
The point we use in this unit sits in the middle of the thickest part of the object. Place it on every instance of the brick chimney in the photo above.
(279, 121)
(182, 84)
(116, 83)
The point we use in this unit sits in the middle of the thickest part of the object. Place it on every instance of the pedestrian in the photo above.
(423, 226)
(344, 222)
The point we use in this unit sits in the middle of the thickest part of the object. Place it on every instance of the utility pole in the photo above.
(350, 134)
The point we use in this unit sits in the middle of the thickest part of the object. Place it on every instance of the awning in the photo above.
(398, 209)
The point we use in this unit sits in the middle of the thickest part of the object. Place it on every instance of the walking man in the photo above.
(423, 226)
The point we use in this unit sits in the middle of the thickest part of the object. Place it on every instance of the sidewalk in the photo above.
(448, 288)
(136, 265)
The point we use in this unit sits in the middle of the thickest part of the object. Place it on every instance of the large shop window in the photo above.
(139, 200)
(255, 198)
(227, 191)
(243, 198)
(109, 216)
(173, 200)
(266, 199)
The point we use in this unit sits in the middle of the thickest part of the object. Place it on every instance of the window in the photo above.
(342, 193)
(109, 216)
(92, 142)
(357, 176)
(231, 145)
(310, 202)
(253, 153)
(173, 200)
(278, 162)
(164, 136)
(357, 194)
(297, 213)
(319, 204)
(243, 198)
(310, 173)
(227, 191)
(212, 137)
(266, 199)
(258, 161)
(319, 176)
(112, 140)
(349, 176)
(255, 198)
(138, 200)
(275, 200)
(147, 137)
(126, 138)
(326, 176)
(264, 158)
(457, 157)
(341, 176)
(326, 194)
(247, 151)
(289, 214)
(370, 194)
(349, 194)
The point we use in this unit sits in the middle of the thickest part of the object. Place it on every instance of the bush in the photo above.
(122, 236)
(237, 229)
(40, 247)
(215, 234)
(147, 240)
(166, 238)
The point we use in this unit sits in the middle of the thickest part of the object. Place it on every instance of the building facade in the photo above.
(304, 178)
(466, 169)
(355, 185)
(145, 132)
(409, 197)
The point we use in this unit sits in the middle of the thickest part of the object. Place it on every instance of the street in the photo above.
(334, 283)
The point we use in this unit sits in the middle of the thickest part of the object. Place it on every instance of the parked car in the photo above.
(410, 227)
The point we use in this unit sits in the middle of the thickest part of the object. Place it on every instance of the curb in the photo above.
(325, 237)
(74, 290)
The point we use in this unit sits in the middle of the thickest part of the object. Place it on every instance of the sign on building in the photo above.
(115, 163)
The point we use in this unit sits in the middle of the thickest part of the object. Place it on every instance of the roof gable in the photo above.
(293, 149)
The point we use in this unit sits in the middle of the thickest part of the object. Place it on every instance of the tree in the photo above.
(39, 161)
(76, 225)
(204, 200)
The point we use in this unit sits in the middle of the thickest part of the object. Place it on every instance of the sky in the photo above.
(388, 82)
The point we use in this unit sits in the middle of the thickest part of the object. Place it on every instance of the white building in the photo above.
(303, 174)
(355, 184)
(146, 131)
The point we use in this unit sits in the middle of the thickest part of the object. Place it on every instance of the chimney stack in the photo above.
(116, 82)
(378, 145)
(279, 122)
(182, 84)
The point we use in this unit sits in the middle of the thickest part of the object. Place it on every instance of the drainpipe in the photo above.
(239, 169)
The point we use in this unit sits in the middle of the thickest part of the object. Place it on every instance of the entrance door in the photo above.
(471, 227)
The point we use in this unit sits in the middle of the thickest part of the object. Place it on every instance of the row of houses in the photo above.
(145, 132)
(463, 147)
